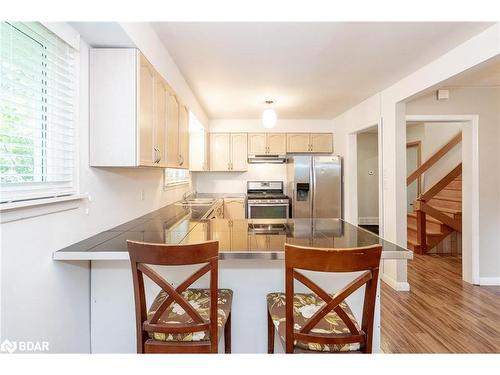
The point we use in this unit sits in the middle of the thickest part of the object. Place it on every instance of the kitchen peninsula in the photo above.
(251, 254)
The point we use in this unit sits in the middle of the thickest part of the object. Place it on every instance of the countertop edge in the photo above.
(267, 255)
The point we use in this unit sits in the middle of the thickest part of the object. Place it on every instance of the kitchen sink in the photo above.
(197, 202)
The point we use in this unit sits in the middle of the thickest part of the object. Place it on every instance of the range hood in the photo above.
(266, 158)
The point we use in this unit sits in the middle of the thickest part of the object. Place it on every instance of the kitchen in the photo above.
(151, 165)
(301, 205)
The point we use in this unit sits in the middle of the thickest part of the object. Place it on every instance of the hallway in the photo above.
(441, 313)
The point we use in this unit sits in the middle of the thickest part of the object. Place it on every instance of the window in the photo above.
(37, 85)
(176, 176)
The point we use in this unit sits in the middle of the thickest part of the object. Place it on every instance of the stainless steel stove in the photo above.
(266, 200)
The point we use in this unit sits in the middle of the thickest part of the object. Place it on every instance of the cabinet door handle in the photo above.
(159, 154)
(155, 155)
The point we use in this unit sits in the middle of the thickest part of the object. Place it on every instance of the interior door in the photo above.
(219, 151)
(146, 112)
(183, 137)
(322, 142)
(161, 93)
(327, 182)
(276, 143)
(172, 146)
(239, 154)
(257, 143)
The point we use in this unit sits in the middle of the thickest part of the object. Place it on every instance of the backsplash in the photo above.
(236, 182)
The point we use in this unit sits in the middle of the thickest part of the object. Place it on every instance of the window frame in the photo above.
(74, 193)
(177, 182)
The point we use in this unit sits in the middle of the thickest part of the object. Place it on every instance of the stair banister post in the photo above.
(421, 227)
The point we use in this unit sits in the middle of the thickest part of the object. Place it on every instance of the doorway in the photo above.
(367, 158)
(413, 162)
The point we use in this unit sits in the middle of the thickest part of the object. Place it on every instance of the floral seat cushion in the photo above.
(175, 314)
(304, 307)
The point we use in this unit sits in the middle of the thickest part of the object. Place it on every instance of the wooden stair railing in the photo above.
(434, 158)
(421, 207)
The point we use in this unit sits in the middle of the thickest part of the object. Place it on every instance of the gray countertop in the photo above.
(238, 239)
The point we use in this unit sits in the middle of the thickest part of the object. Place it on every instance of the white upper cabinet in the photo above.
(134, 114)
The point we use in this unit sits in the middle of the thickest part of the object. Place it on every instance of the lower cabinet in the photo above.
(234, 208)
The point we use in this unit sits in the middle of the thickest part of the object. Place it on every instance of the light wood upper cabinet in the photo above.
(172, 131)
(198, 150)
(228, 152)
(257, 143)
(276, 143)
(310, 142)
(183, 137)
(177, 145)
(239, 154)
(146, 124)
(220, 151)
(135, 117)
(159, 139)
(322, 142)
(267, 143)
(298, 142)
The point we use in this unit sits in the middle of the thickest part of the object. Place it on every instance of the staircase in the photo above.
(449, 202)
(438, 212)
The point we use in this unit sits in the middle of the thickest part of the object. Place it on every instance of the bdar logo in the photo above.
(8, 346)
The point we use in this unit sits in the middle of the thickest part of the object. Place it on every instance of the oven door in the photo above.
(268, 210)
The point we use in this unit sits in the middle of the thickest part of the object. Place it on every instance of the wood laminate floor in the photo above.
(441, 313)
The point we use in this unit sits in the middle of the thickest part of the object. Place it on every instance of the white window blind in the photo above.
(176, 176)
(37, 140)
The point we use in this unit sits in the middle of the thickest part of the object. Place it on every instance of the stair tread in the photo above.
(428, 232)
(449, 199)
(447, 210)
(429, 218)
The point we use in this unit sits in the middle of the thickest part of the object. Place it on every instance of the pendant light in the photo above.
(269, 115)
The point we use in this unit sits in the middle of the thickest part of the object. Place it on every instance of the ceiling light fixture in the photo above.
(269, 115)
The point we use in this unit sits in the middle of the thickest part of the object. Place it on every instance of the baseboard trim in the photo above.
(400, 286)
(489, 281)
(368, 220)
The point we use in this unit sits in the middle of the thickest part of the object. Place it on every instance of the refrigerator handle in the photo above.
(313, 188)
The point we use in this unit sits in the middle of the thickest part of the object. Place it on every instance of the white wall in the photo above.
(367, 149)
(42, 299)
(235, 182)
(484, 102)
(388, 107)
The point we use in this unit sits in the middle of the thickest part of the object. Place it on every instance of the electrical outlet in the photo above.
(142, 194)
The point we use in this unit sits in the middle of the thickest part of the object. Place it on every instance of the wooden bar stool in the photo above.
(325, 324)
(180, 320)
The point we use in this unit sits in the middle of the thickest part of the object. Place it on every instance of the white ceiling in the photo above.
(310, 70)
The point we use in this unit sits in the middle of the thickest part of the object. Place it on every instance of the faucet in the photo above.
(187, 194)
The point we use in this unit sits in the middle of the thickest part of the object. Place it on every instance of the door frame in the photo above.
(418, 145)
(470, 189)
(352, 167)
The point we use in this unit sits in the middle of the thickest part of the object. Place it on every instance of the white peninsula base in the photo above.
(113, 312)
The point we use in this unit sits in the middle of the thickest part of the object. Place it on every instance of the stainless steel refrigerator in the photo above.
(315, 186)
